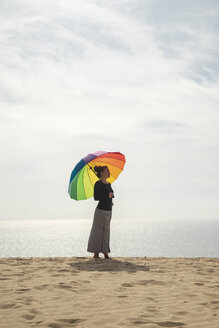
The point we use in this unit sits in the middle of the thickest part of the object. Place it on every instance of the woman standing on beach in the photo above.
(100, 231)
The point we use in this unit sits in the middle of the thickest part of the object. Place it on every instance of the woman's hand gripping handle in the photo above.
(111, 194)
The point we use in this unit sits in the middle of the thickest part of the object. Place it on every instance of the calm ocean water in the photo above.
(128, 237)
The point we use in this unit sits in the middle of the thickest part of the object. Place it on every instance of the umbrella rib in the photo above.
(83, 180)
(77, 174)
(89, 175)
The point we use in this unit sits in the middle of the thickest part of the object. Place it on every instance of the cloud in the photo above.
(167, 126)
(140, 77)
(184, 32)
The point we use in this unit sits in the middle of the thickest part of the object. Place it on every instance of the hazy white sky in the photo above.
(140, 77)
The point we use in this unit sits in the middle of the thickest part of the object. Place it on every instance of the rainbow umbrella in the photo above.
(83, 176)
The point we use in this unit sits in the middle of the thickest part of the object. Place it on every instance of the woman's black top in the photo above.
(101, 191)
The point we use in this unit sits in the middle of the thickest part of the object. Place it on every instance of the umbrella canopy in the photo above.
(83, 176)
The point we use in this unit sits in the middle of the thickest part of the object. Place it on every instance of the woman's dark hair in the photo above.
(99, 169)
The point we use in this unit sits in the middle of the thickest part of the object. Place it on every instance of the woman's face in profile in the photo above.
(106, 173)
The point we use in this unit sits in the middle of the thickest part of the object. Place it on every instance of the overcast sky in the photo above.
(140, 77)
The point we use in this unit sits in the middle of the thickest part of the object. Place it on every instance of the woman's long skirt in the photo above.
(100, 232)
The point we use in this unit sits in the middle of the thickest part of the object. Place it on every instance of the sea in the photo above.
(128, 237)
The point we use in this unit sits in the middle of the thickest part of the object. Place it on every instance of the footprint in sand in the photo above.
(34, 311)
(85, 281)
(152, 309)
(122, 296)
(127, 285)
(150, 298)
(150, 282)
(65, 287)
(29, 299)
(160, 324)
(169, 324)
(63, 321)
(21, 290)
(62, 285)
(6, 306)
(140, 322)
(17, 275)
(181, 312)
(18, 306)
(28, 316)
(70, 320)
(42, 267)
(40, 287)
(198, 284)
(201, 273)
(63, 270)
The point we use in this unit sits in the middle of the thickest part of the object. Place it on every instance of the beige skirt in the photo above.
(100, 232)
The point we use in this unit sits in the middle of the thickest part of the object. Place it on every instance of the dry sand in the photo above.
(122, 292)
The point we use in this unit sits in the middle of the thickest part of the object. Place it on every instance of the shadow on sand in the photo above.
(107, 265)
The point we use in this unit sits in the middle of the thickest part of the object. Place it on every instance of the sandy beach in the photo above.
(121, 292)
